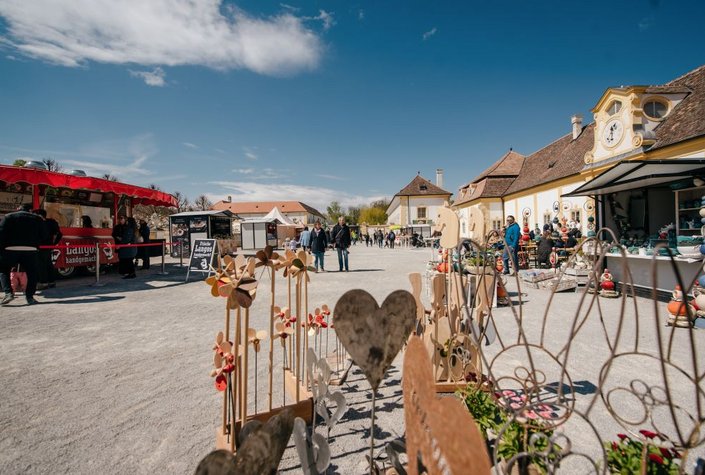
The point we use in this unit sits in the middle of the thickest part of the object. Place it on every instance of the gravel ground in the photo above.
(115, 378)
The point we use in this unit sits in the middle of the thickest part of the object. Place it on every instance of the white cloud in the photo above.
(160, 33)
(330, 177)
(289, 7)
(250, 153)
(361, 14)
(430, 33)
(190, 145)
(326, 18)
(316, 196)
(122, 158)
(244, 171)
(154, 77)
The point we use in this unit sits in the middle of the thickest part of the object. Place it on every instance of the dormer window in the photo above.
(655, 109)
(423, 187)
(614, 107)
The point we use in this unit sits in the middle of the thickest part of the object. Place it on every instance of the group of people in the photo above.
(549, 241)
(317, 240)
(127, 231)
(21, 235)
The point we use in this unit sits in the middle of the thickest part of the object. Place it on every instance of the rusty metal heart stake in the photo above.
(373, 335)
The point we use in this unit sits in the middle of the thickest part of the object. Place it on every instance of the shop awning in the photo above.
(641, 174)
(33, 176)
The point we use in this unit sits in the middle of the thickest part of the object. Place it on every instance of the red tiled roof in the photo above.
(257, 207)
(420, 186)
(560, 159)
(509, 165)
(687, 120)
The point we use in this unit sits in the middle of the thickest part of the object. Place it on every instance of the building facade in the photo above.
(417, 202)
(298, 212)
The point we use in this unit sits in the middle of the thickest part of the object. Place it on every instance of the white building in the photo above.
(418, 202)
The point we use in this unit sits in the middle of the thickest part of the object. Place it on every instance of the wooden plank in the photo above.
(290, 384)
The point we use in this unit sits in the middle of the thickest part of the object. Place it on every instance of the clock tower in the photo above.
(625, 119)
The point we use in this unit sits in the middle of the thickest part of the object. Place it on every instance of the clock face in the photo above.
(612, 133)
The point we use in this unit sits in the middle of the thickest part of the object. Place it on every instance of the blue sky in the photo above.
(319, 100)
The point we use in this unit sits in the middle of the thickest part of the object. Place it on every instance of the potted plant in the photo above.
(630, 455)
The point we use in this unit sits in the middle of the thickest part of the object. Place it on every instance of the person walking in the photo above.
(511, 247)
(51, 237)
(21, 234)
(392, 237)
(319, 243)
(305, 239)
(143, 252)
(341, 236)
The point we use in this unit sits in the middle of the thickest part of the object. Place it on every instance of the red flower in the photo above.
(656, 458)
(648, 433)
(614, 445)
(622, 436)
(665, 452)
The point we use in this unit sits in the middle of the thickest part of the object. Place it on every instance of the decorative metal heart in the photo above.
(374, 335)
(262, 447)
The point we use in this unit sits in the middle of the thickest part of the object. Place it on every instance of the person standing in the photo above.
(319, 243)
(143, 252)
(124, 234)
(51, 237)
(511, 244)
(392, 237)
(305, 239)
(341, 236)
(21, 234)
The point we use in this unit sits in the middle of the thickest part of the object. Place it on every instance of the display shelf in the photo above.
(688, 196)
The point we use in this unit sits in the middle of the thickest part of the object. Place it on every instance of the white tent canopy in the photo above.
(276, 215)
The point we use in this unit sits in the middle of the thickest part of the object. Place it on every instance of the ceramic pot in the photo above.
(607, 285)
(677, 308)
(701, 279)
(700, 301)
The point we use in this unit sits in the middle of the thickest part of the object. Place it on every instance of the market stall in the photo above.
(647, 203)
(185, 228)
(71, 197)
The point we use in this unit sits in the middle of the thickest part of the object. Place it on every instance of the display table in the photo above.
(641, 270)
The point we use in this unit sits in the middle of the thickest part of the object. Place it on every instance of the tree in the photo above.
(19, 162)
(202, 203)
(373, 215)
(182, 202)
(353, 214)
(52, 165)
(108, 176)
(333, 211)
(383, 204)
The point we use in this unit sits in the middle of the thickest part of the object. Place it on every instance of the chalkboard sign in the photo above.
(204, 250)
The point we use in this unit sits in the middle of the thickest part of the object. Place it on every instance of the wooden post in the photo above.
(245, 365)
(238, 368)
(305, 349)
(273, 275)
(298, 336)
(227, 338)
(291, 342)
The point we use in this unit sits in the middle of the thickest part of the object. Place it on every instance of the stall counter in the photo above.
(641, 270)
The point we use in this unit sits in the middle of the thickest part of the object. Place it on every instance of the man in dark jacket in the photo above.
(341, 237)
(21, 234)
(511, 240)
(52, 236)
(319, 243)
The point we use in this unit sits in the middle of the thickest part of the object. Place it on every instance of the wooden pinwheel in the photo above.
(270, 260)
(301, 264)
(255, 338)
(267, 257)
(282, 330)
(223, 360)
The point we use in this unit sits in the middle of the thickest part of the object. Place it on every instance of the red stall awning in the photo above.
(33, 176)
